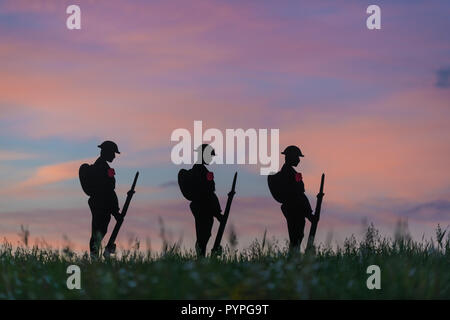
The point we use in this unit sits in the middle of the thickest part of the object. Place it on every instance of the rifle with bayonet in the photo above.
(217, 248)
(111, 246)
(316, 217)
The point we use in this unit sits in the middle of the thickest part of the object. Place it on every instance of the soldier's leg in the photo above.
(291, 224)
(100, 221)
(301, 230)
(198, 237)
(205, 226)
(294, 243)
(93, 248)
(104, 222)
(195, 213)
(94, 243)
(298, 226)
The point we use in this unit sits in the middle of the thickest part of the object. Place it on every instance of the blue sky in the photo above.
(369, 108)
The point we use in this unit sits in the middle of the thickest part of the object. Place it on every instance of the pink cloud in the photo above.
(208, 35)
(398, 151)
(53, 173)
(146, 70)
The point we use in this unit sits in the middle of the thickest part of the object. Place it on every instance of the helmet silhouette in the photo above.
(109, 146)
(293, 151)
(206, 147)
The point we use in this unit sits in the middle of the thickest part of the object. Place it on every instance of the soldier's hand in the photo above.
(117, 216)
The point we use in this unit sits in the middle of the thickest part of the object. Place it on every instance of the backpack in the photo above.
(276, 186)
(185, 182)
(87, 182)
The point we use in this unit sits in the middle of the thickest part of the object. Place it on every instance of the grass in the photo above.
(409, 270)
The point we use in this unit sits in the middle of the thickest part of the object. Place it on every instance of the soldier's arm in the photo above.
(215, 206)
(307, 205)
(307, 208)
(115, 207)
(116, 202)
(219, 217)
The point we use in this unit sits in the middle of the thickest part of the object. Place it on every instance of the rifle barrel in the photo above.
(315, 222)
(225, 215)
(115, 232)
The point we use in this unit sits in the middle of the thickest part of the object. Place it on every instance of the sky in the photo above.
(369, 108)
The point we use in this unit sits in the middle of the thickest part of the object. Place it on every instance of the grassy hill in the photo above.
(263, 271)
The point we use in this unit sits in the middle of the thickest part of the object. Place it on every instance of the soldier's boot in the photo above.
(94, 245)
(94, 252)
(200, 249)
(109, 250)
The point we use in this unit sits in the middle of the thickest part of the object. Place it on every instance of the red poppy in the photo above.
(298, 177)
(111, 173)
(210, 176)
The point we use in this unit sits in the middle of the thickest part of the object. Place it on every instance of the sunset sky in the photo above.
(370, 108)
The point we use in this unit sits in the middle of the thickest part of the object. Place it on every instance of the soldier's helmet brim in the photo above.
(300, 155)
(109, 145)
(293, 151)
(202, 148)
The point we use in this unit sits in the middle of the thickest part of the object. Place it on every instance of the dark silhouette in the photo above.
(313, 229)
(197, 185)
(217, 248)
(98, 182)
(287, 187)
(111, 246)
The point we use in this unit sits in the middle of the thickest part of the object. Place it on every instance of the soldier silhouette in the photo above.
(98, 182)
(287, 187)
(198, 186)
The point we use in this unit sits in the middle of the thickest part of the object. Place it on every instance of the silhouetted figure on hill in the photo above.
(198, 186)
(99, 183)
(287, 187)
